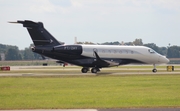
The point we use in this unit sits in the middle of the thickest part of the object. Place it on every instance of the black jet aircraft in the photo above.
(89, 56)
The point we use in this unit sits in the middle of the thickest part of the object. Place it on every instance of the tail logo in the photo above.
(51, 41)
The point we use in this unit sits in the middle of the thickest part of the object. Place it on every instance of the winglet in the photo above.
(104, 63)
(97, 56)
(99, 62)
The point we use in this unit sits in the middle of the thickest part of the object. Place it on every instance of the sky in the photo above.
(97, 21)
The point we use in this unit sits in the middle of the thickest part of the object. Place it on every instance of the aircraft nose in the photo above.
(166, 60)
(163, 59)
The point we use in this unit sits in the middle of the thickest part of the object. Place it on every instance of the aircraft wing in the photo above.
(103, 63)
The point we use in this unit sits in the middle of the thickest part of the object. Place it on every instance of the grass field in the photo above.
(107, 91)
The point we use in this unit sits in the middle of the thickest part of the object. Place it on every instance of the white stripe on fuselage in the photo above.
(140, 53)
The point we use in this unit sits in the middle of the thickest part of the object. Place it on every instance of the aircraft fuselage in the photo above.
(83, 55)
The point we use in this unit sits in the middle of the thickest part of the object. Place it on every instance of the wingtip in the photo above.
(17, 22)
(12, 22)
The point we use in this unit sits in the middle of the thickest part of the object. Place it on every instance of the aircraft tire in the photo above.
(154, 70)
(84, 70)
(94, 70)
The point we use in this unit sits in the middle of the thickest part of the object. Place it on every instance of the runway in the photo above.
(80, 74)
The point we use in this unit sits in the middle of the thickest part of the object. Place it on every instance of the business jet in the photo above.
(89, 56)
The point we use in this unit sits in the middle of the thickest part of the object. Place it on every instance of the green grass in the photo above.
(106, 91)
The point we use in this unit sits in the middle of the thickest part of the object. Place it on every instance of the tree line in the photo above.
(13, 52)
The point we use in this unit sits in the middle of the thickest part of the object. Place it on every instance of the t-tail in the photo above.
(39, 35)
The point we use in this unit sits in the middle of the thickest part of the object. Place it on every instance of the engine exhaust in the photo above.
(33, 49)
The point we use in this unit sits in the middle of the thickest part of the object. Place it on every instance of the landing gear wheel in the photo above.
(84, 70)
(94, 70)
(154, 70)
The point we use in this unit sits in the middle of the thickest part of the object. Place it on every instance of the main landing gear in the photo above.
(84, 69)
(93, 70)
(154, 69)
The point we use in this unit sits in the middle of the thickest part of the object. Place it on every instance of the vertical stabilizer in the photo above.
(39, 35)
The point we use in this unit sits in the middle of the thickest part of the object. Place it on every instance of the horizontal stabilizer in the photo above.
(13, 22)
(20, 21)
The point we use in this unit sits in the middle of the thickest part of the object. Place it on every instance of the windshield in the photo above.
(151, 50)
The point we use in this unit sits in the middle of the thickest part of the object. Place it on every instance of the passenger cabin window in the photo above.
(151, 51)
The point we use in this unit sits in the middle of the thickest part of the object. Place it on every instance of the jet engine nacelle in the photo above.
(41, 49)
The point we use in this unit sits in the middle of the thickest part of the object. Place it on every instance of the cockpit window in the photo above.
(151, 51)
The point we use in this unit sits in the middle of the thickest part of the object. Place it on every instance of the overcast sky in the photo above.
(98, 21)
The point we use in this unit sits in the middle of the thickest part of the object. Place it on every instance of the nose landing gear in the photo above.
(154, 69)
